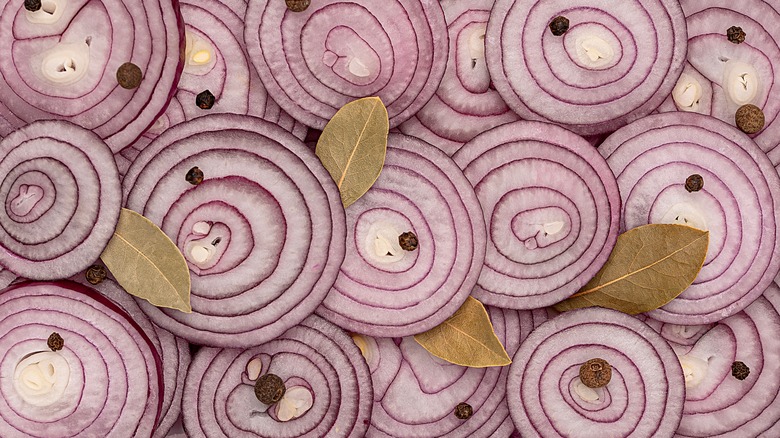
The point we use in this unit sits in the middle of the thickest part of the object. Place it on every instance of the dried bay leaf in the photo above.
(147, 264)
(353, 145)
(649, 266)
(466, 338)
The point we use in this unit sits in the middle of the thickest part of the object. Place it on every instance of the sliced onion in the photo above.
(174, 352)
(263, 234)
(416, 393)
(316, 61)
(552, 207)
(713, 82)
(63, 64)
(547, 398)
(739, 205)
(617, 62)
(61, 194)
(315, 357)
(465, 103)
(717, 403)
(384, 290)
(106, 380)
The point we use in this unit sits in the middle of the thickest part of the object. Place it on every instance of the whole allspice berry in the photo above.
(205, 100)
(735, 34)
(596, 373)
(408, 241)
(194, 176)
(750, 119)
(55, 342)
(739, 370)
(269, 389)
(694, 183)
(464, 411)
(559, 26)
(297, 5)
(129, 75)
(95, 274)
(32, 5)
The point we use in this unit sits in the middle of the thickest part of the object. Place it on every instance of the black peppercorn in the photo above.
(269, 389)
(129, 75)
(694, 183)
(464, 411)
(735, 34)
(596, 373)
(408, 241)
(739, 370)
(298, 5)
(55, 342)
(559, 26)
(194, 176)
(96, 274)
(32, 5)
(205, 100)
(750, 119)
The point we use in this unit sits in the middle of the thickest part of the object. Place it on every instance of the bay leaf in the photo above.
(649, 266)
(353, 145)
(466, 338)
(147, 264)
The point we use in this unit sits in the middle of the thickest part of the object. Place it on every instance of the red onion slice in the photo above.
(314, 357)
(416, 393)
(552, 207)
(263, 234)
(739, 205)
(61, 194)
(547, 398)
(721, 76)
(384, 290)
(616, 63)
(717, 403)
(314, 62)
(62, 64)
(105, 381)
(465, 103)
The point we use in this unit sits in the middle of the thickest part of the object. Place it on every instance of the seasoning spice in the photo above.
(750, 119)
(205, 100)
(269, 389)
(559, 26)
(408, 241)
(55, 342)
(96, 274)
(596, 373)
(739, 370)
(464, 411)
(32, 5)
(194, 176)
(735, 34)
(129, 75)
(694, 183)
(298, 5)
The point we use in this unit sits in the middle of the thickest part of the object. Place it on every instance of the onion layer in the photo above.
(616, 63)
(384, 290)
(316, 61)
(415, 393)
(61, 62)
(739, 205)
(61, 194)
(552, 207)
(314, 357)
(717, 403)
(105, 381)
(547, 398)
(263, 234)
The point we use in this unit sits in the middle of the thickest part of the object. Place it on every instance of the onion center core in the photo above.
(684, 214)
(26, 200)
(199, 54)
(41, 378)
(741, 82)
(295, 402)
(50, 12)
(205, 245)
(694, 370)
(594, 51)
(687, 93)
(382, 243)
(65, 63)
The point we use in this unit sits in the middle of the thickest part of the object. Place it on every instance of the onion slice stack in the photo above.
(547, 397)
(385, 290)
(263, 233)
(61, 194)
(316, 61)
(717, 403)
(327, 385)
(739, 204)
(616, 63)
(62, 64)
(552, 207)
(416, 393)
(105, 381)
(465, 103)
(720, 76)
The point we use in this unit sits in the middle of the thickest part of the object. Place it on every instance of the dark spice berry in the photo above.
(750, 119)
(735, 34)
(739, 370)
(205, 100)
(408, 241)
(129, 75)
(559, 26)
(269, 389)
(96, 274)
(596, 373)
(55, 342)
(694, 183)
(194, 176)
(298, 5)
(32, 5)
(464, 411)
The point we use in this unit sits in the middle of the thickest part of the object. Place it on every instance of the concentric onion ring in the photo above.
(415, 393)
(547, 398)
(616, 63)
(315, 356)
(63, 64)
(61, 194)
(739, 205)
(712, 81)
(105, 381)
(718, 404)
(552, 207)
(314, 62)
(263, 233)
(465, 103)
(384, 290)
